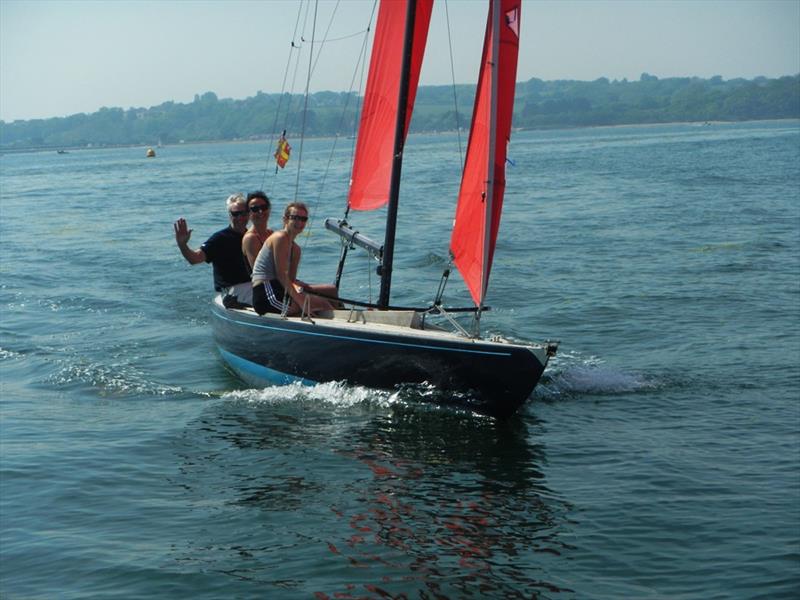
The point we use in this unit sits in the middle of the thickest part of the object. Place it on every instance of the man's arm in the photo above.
(182, 235)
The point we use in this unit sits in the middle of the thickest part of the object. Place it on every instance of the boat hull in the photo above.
(489, 377)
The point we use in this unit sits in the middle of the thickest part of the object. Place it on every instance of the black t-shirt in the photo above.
(224, 251)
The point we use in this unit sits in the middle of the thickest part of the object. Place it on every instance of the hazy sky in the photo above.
(65, 57)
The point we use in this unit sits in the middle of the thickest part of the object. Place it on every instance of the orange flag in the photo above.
(283, 151)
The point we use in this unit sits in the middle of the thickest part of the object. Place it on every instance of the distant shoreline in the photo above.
(538, 105)
(144, 147)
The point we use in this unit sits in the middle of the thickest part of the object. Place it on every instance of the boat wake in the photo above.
(108, 380)
(571, 374)
(338, 394)
(334, 393)
(9, 354)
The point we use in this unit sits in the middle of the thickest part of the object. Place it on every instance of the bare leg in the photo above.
(319, 303)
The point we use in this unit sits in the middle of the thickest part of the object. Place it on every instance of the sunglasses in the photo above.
(258, 209)
(237, 213)
(300, 218)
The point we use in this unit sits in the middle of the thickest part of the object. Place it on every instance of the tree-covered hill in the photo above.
(539, 104)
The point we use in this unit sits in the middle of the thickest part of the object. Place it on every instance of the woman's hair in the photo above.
(258, 194)
(296, 205)
(235, 199)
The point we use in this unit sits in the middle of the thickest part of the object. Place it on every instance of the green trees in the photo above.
(654, 100)
(539, 104)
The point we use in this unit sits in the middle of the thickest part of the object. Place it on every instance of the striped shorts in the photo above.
(268, 297)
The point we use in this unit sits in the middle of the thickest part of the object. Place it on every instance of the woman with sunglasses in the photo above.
(258, 205)
(275, 271)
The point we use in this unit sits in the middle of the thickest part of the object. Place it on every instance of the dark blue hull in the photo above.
(491, 378)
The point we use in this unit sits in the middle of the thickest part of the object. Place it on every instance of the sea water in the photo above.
(658, 458)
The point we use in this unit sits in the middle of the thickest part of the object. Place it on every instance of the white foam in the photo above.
(110, 380)
(334, 393)
(572, 374)
(593, 379)
(8, 354)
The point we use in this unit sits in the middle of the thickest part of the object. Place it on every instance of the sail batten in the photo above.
(480, 199)
(372, 163)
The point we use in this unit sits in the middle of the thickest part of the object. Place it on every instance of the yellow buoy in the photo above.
(151, 153)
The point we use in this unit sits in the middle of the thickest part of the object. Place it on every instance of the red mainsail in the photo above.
(480, 199)
(372, 164)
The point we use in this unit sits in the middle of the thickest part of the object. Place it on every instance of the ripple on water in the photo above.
(570, 374)
(107, 379)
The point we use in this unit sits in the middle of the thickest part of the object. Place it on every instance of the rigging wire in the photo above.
(323, 42)
(340, 126)
(453, 76)
(358, 75)
(446, 272)
(291, 115)
(305, 103)
(344, 37)
(292, 49)
(369, 277)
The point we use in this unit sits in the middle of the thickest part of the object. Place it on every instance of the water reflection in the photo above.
(455, 506)
(408, 501)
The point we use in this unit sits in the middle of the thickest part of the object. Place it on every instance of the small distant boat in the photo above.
(61, 152)
(150, 153)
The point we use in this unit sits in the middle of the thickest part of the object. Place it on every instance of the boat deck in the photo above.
(404, 323)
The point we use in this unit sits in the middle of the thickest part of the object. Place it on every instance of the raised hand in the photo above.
(182, 232)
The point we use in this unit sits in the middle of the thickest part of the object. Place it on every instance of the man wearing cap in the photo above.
(224, 251)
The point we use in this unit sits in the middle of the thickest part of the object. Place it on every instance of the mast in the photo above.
(489, 204)
(397, 161)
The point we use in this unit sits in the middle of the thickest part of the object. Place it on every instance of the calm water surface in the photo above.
(658, 458)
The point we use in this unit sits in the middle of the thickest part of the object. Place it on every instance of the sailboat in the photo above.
(384, 346)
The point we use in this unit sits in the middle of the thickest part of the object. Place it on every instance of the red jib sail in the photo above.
(372, 164)
(480, 199)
